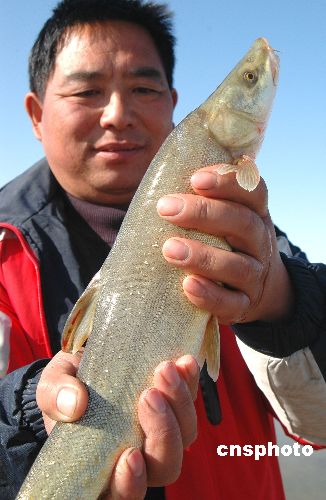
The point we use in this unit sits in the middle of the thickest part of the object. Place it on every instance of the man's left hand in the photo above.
(256, 283)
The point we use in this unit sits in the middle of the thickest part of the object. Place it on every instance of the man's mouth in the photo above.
(113, 147)
(118, 151)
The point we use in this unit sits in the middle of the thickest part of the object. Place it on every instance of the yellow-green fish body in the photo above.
(135, 310)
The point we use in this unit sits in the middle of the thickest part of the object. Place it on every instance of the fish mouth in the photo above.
(275, 63)
(274, 60)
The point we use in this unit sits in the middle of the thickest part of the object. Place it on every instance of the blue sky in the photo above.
(212, 36)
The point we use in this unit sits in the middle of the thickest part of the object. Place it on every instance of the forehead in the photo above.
(105, 43)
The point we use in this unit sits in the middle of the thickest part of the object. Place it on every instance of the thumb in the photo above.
(59, 394)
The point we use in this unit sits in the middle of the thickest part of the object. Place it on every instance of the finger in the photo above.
(60, 395)
(168, 379)
(208, 182)
(228, 306)
(236, 270)
(164, 439)
(242, 228)
(162, 448)
(188, 369)
(128, 480)
(209, 268)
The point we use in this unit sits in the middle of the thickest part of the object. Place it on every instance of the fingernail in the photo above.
(155, 401)
(171, 375)
(194, 287)
(192, 368)
(135, 462)
(190, 364)
(204, 180)
(67, 401)
(170, 205)
(175, 249)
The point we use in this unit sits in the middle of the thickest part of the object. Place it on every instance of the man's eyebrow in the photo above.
(147, 72)
(82, 76)
(138, 72)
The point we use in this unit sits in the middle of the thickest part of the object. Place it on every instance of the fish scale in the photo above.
(134, 310)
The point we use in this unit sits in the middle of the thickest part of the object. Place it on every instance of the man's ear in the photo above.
(34, 108)
(174, 97)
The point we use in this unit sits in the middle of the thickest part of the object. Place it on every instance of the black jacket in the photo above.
(68, 248)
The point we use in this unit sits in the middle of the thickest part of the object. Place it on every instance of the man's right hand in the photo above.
(166, 413)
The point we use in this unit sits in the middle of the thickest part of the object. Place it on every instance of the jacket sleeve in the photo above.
(22, 432)
(288, 359)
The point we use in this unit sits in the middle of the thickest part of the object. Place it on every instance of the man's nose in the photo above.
(117, 113)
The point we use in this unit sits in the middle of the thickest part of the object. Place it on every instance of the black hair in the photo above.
(155, 18)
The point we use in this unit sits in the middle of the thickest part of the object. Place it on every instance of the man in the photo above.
(101, 102)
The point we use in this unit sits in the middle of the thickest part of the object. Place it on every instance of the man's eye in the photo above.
(146, 90)
(87, 93)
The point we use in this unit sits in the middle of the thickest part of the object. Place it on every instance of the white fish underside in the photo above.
(142, 317)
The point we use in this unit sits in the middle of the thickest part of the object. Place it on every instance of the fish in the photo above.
(134, 313)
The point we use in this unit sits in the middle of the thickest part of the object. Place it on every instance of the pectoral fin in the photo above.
(226, 168)
(80, 322)
(247, 173)
(210, 349)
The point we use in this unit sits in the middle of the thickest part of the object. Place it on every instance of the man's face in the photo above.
(107, 109)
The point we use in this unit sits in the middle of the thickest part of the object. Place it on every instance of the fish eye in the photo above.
(250, 77)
